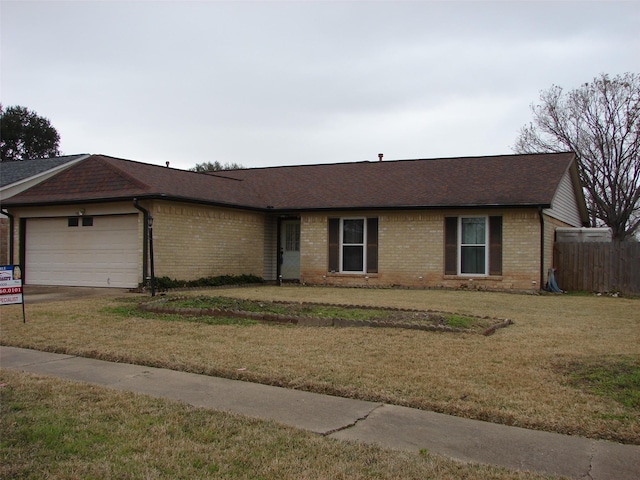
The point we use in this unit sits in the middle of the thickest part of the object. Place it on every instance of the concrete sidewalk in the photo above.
(386, 425)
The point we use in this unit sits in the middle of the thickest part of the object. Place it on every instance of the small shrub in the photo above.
(166, 283)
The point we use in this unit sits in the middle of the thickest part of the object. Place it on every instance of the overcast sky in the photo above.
(286, 83)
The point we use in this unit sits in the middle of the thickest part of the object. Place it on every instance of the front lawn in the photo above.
(513, 377)
(61, 430)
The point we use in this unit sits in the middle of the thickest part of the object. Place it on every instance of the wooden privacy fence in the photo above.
(598, 267)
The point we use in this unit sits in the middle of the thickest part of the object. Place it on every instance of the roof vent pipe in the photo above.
(380, 155)
(167, 164)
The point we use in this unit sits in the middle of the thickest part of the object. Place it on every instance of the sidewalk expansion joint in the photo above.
(592, 454)
(353, 424)
(40, 362)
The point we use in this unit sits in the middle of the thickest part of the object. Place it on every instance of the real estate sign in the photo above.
(11, 286)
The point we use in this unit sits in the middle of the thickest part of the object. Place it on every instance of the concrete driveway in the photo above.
(42, 294)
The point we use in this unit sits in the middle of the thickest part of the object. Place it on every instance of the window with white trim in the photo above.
(352, 245)
(474, 238)
(473, 245)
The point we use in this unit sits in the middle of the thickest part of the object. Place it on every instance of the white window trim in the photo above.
(363, 244)
(485, 245)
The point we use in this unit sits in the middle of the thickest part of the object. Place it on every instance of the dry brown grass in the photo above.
(56, 429)
(512, 377)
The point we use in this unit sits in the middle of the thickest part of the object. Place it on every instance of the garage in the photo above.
(87, 251)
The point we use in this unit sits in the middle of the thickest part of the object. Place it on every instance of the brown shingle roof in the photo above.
(102, 178)
(509, 180)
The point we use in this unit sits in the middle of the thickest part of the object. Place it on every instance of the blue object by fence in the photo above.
(551, 285)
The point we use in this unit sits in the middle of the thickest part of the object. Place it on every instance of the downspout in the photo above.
(151, 267)
(147, 246)
(280, 253)
(11, 228)
(541, 215)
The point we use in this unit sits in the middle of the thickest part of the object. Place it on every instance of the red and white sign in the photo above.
(10, 290)
(10, 284)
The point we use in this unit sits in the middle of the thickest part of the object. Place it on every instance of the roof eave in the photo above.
(407, 207)
(267, 208)
(129, 198)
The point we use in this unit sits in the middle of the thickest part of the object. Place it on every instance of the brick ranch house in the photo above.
(481, 222)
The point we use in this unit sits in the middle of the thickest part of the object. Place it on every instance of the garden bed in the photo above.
(325, 315)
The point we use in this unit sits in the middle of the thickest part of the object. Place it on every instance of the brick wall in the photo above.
(192, 241)
(4, 241)
(411, 251)
(521, 249)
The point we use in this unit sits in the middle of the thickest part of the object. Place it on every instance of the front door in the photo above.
(290, 249)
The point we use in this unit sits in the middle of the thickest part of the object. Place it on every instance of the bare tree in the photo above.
(215, 167)
(599, 122)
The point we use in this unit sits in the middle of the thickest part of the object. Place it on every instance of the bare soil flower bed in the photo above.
(322, 314)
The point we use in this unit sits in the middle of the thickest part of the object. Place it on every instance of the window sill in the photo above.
(352, 275)
(472, 277)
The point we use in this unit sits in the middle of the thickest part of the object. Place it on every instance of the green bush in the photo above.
(166, 283)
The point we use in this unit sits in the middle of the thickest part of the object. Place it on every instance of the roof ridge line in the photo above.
(106, 161)
(379, 162)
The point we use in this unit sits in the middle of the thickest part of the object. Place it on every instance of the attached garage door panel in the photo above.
(102, 255)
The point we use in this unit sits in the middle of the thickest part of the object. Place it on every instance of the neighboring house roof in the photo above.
(508, 180)
(16, 171)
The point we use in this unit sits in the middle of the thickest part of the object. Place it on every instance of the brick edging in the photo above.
(154, 307)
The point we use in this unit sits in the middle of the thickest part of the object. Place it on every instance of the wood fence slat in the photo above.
(598, 266)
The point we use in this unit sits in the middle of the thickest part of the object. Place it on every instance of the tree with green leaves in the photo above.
(25, 135)
(215, 167)
(600, 122)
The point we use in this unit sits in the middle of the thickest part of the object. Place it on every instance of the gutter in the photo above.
(11, 228)
(147, 246)
(296, 210)
(162, 196)
(271, 209)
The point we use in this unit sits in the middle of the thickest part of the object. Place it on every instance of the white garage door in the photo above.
(99, 251)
